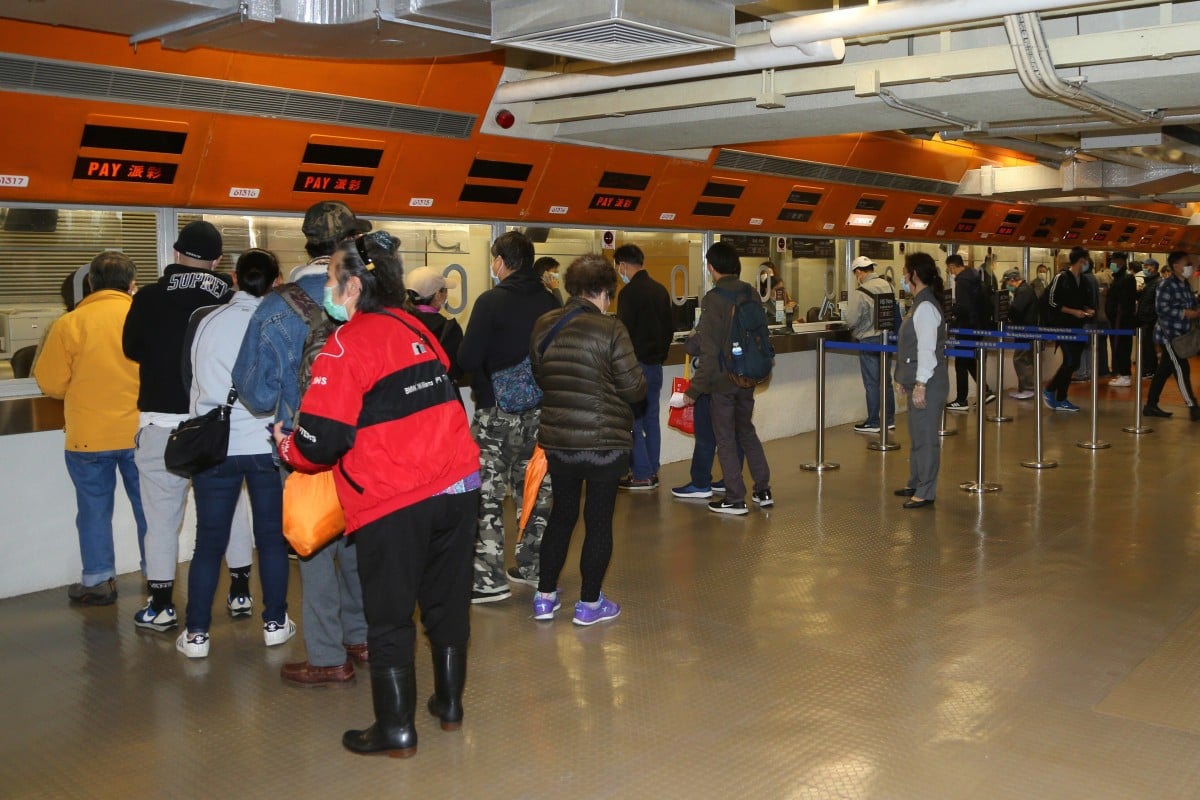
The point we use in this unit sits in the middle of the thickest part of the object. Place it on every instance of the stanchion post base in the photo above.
(1039, 464)
(1142, 429)
(947, 432)
(1096, 445)
(882, 447)
(999, 419)
(824, 466)
(979, 488)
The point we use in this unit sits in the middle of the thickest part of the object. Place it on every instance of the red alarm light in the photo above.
(505, 119)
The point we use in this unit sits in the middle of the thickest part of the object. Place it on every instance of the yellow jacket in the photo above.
(82, 363)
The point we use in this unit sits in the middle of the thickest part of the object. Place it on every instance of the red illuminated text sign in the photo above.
(614, 202)
(104, 169)
(336, 184)
(1006, 230)
(964, 227)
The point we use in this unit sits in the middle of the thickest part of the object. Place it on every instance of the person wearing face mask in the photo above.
(645, 310)
(383, 414)
(588, 369)
(1175, 303)
(1022, 310)
(1094, 287)
(1147, 316)
(860, 316)
(1041, 281)
(497, 339)
(1068, 309)
(428, 291)
(1121, 307)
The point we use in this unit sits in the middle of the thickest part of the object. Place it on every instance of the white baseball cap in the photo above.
(862, 262)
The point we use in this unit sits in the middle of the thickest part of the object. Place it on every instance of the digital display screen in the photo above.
(108, 169)
(331, 182)
(1069, 235)
(795, 215)
(964, 227)
(614, 202)
(1006, 230)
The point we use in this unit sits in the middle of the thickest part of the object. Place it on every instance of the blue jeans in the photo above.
(217, 491)
(95, 477)
(868, 364)
(705, 448)
(647, 429)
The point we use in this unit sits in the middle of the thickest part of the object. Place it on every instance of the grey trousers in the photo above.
(1023, 366)
(331, 602)
(164, 495)
(925, 452)
(733, 425)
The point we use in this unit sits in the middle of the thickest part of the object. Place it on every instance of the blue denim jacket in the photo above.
(267, 370)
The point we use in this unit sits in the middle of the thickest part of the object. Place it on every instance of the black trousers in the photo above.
(962, 368)
(421, 555)
(1169, 365)
(1061, 382)
(1122, 353)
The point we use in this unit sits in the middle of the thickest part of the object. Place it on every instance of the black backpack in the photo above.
(748, 328)
(988, 289)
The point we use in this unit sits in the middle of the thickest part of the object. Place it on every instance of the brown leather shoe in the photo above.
(358, 652)
(303, 674)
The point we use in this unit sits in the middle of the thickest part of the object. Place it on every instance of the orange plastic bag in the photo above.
(312, 513)
(535, 472)
(682, 419)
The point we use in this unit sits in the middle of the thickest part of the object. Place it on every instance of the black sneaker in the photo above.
(154, 619)
(514, 574)
(764, 498)
(491, 596)
(990, 398)
(1155, 411)
(726, 507)
(867, 427)
(957, 406)
(638, 484)
(99, 594)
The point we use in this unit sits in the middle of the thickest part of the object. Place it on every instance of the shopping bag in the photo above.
(682, 419)
(535, 472)
(312, 513)
(1187, 345)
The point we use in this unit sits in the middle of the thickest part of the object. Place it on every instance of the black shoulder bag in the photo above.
(200, 442)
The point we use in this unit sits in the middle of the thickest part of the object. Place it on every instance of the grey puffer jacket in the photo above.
(589, 375)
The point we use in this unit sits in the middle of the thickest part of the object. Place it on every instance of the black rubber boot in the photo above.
(449, 677)
(394, 695)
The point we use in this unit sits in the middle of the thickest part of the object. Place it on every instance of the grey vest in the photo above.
(906, 344)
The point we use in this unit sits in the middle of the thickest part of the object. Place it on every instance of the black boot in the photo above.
(394, 695)
(449, 677)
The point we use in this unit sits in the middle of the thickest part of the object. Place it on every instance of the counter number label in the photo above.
(420, 202)
(559, 209)
(14, 181)
(241, 191)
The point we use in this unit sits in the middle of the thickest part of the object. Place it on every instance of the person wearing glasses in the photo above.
(384, 415)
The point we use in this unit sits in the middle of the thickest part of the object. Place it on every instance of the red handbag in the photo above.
(682, 419)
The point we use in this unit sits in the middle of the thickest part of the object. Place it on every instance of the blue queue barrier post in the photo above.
(1095, 443)
(999, 415)
(1138, 427)
(820, 464)
(1039, 459)
(979, 485)
(882, 445)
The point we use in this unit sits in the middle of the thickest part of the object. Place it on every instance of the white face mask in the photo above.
(1186, 272)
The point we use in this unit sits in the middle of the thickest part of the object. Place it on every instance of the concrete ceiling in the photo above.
(954, 81)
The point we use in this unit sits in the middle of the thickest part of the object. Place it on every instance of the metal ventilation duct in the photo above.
(743, 161)
(613, 31)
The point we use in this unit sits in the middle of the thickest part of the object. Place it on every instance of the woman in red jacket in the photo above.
(382, 412)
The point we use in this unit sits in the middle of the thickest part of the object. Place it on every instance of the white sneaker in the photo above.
(1021, 395)
(275, 633)
(1121, 380)
(193, 645)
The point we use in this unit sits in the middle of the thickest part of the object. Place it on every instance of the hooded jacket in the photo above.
(589, 375)
(498, 332)
(968, 299)
(82, 363)
(155, 328)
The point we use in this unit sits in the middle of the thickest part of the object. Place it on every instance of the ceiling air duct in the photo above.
(613, 31)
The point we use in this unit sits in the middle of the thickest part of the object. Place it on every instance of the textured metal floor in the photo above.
(836, 647)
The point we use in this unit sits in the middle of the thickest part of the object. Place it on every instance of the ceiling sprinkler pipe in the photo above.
(902, 15)
(745, 59)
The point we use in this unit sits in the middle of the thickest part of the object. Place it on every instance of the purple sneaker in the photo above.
(585, 614)
(544, 607)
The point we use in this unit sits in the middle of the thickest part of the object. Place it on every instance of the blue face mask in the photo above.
(624, 277)
(337, 312)
(904, 287)
(1115, 267)
(1087, 266)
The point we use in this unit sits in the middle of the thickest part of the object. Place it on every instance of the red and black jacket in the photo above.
(383, 412)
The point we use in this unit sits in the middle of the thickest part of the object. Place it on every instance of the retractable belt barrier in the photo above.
(881, 444)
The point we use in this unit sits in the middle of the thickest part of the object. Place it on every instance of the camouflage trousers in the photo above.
(505, 445)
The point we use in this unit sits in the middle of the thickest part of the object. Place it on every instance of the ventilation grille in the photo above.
(1145, 216)
(808, 170)
(66, 79)
(616, 42)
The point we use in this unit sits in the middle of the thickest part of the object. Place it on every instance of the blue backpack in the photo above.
(748, 328)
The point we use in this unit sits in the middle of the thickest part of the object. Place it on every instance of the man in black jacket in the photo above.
(153, 337)
(1022, 310)
(1121, 308)
(1069, 307)
(1147, 316)
(645, 308)
(496, 339)
(968, 313)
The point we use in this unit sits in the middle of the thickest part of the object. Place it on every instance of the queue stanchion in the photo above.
(1039, 460)
(979, 485)
(820, 464)
(999, 415)
(1138, 427)
(883, 445)
(1095, 443)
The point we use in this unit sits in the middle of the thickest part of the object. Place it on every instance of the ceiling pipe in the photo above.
(902, 15)
(1036, 70)
(1069, 126)
(745, 59)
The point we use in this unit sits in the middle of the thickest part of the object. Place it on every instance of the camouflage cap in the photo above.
(332, 220)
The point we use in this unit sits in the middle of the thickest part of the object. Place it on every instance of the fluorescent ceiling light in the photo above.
(861, 220)
(914, 224)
